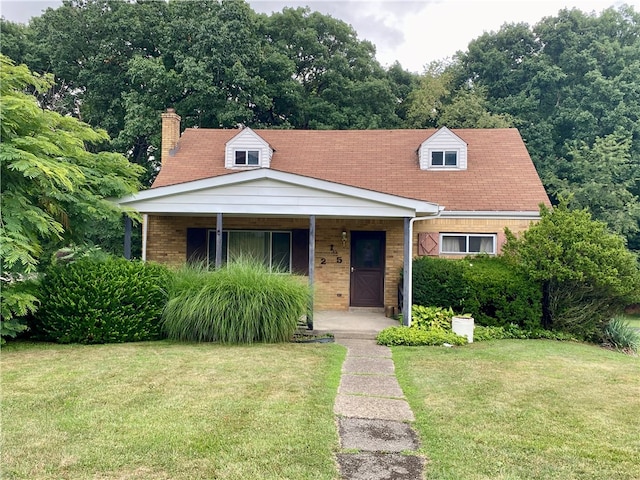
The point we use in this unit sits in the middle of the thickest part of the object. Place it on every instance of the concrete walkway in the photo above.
(374, 417)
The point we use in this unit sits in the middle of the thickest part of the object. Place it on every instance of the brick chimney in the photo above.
(170, 132)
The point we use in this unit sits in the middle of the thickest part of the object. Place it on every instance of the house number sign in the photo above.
(332, 252)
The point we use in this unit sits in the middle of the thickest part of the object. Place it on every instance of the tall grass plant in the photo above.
(621, 335)
(240, 303)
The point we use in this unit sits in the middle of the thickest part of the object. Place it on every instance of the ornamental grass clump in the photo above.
(622, 336)
(242, 302)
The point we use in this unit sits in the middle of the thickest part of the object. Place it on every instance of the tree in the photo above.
(586, 271)
(53, 188)
(570, 82)
(426, 102)
(601, 178)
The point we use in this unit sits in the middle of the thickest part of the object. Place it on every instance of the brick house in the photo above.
(347, 208)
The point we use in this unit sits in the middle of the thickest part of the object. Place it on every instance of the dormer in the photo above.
(246, 151)
(443, 150)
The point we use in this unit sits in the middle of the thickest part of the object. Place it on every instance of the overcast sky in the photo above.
(412, 32)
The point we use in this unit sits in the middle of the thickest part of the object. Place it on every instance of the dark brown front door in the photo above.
(367, 269)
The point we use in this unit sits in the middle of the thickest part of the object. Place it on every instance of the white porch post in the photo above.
(218, 240)
(406, 280)
(312, 255)
(145, 230)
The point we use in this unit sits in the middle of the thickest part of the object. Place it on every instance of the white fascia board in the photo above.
(515, 215)
(420, 208)
(278, 211)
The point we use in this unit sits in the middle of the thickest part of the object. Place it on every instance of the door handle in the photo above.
(352, 269)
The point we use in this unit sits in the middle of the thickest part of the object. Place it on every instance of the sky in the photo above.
(415, 33)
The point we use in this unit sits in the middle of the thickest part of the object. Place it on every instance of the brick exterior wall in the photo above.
(166, 243)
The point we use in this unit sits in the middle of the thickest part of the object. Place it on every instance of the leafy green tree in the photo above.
(343, 86)
(587, 273)
(427, 101)
(469, 109)
(601, 178)
(570, 82)
(53, 189)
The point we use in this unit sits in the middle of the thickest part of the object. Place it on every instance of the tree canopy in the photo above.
(570, 84)
(53, 187)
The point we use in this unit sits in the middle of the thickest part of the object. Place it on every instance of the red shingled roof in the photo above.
(500, 175)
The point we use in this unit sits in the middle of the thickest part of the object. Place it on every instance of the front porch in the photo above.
(358, 323)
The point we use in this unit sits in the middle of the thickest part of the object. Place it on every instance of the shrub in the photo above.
(481, 333)
(410, 336)
(491, 289)
(240, 303)
(588, 275)
(439, 282)
(619, 334)
(101, 301)
(431, 317)
(500, 294)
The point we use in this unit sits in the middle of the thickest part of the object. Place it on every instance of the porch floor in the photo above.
(354, 323)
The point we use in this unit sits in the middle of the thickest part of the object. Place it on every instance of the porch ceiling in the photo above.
(269, 192)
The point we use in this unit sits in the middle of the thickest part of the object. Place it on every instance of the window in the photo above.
(273, 248)
(247, 157)
(444, 158)
(466, 243)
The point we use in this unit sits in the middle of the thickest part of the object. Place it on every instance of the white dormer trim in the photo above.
(247, 141)
(449, 144)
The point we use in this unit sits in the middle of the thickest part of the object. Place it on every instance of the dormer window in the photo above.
(246, 151)
(443, 150)
(247, 157)
(444, 158)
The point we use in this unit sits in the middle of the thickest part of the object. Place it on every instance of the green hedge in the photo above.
(490, 289)
(439, 282)
(101, 301)
(500, 295)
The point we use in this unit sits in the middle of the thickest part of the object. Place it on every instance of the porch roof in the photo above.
(271, 192)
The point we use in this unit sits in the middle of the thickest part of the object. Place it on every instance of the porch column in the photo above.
(312, 255)
(145, 231)
(127, 237)
(406, 272)
(218, 240)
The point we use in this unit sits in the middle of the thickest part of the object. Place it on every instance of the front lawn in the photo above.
(633, 320)
(162, 410)
(533, 409)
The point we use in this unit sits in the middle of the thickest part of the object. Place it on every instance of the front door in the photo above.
(367, 269)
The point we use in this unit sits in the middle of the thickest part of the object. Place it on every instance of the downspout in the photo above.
(145, 223)
(408, 295)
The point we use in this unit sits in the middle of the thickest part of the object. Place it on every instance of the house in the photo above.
(349, 209)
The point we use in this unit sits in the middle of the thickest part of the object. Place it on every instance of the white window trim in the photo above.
(493, 237)
(246, 151)
(444, 152)
(225, 254)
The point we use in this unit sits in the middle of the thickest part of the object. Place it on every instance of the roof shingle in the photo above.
(500, 175)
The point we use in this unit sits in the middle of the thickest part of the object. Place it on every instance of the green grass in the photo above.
(633, 320)
(161, 410)
(514, 409)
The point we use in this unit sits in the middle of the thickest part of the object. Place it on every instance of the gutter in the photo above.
(408, 295)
